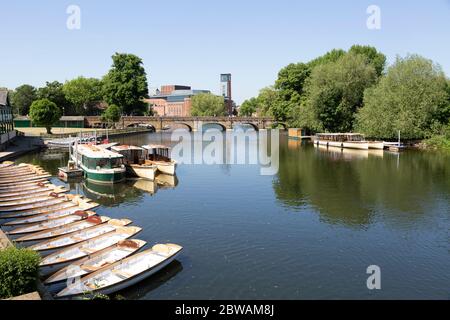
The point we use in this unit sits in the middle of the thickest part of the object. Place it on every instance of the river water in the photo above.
(310, 231)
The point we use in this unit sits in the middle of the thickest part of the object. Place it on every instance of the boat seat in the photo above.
(89, 268)
(87, 250)
(122, 274)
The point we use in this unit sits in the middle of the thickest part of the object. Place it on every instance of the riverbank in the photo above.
(72, 132)
(21, 145)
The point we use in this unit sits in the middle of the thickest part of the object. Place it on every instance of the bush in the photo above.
(19, 271)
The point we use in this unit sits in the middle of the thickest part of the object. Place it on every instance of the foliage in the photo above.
(412, 98)
(53, 91)
(207, 104)
(44, 113)
(291, 80)
(125, 84)
(248, 107)
(331, 56)
(22, 98)
(334, 92)
(375, 58)
(438, 142)
(19, 271)
(83, 93)
(112, 114)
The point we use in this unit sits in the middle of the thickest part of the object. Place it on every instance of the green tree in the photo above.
(112, 114)
(412, 98)
(83, 93)
(44, 113)
(334, 93)
(125, 84)
(207, 104)
(22, 98)
(331, 56)
(53, 91)
(291, 80)
(248, 107)
(375, 58)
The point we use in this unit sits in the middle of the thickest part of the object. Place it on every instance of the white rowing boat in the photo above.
(52, 223)
(51, 212)
(66, 229)
(12, 181)
(85, 248)
(42, 203)
(32, 193)
(125, 272)
(81, 235)
(24, 184)
(97, 260)
(20, 173)
(7, 203)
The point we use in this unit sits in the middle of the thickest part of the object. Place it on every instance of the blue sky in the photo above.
(192, 42)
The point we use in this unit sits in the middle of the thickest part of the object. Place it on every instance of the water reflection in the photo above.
(351, 186)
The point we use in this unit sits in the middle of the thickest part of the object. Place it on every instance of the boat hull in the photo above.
(143, 171)
(376, 145)
(356, 145)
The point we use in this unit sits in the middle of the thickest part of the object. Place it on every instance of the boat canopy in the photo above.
(94, 152)
(341, 137)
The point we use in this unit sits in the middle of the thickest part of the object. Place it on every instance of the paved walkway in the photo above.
(20, 146)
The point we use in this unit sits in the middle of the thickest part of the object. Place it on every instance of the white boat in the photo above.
(52, 223)
(51, 212)
(89, 247)
(25, 187)
(378, 145)
(125, 272)
(12, 181)
(43, 203)
(7, 203)
(81, 235)
(134, 160)
(97, 260)
(159, 155)
(16, 195)
(16, 184)
(342, 140)
(65, 229)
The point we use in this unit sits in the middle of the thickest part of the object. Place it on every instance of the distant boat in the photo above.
(159, 155)
(342, 140)
(134, 159)
(125, 272)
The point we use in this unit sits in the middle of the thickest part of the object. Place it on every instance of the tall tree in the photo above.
(112, 114)
(22, 98)
(53, 91)
(412, 98)
(335, 92)
(375, 58)
(44, 113)
(207, 104)
(126, 84)
(83, 93)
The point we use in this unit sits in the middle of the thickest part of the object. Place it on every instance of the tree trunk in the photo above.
(49, 130)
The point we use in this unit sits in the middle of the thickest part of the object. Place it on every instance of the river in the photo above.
(310, 231)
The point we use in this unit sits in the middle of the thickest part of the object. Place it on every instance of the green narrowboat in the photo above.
(99, 164)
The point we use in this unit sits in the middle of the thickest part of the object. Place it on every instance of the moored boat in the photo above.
(18, 184)
(97, 260)
(16, 195)
(99, 164)
(81, 235)
(379, 145)
(125, 272)
(25, 187)
(85, 248)
(8, 203)
(134, 160)
(43, 203)
(52, 223)
(70, 228)
(342, 140)
(12, 181)
(159, 155)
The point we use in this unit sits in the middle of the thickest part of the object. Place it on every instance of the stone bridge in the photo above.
(190, 123)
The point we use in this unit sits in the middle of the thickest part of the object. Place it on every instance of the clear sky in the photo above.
(192, 42)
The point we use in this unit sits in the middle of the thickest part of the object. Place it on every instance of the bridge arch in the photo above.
(189, 127)
(254, 126)
(216, 124)
(284, 125)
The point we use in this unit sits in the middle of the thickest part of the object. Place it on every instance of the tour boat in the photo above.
(89, 247)
(342, 140)
(159, 155)
(16, 195)
(99, 164)
(98, 260)
(50, 212)
(379, 145)
(52, 223)
(81, 235)
(65, 229)
(125, 272)
(134, 160)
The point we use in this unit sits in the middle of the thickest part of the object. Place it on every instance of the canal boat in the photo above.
(39, 191)
(50, 212)
(125, 272)
(70, 228)
(342, 140)
(89, 247)
(97, 260)
(81, 235)
(99, 165)
(135, 162)
(159, 155)
(52, 223)
(42, 203)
